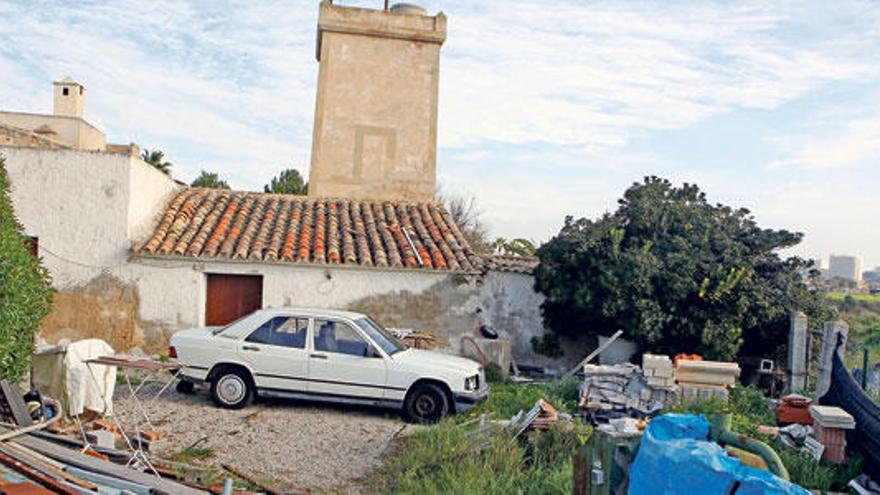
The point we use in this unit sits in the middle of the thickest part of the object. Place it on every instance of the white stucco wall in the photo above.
(88, 207)
(75, 202)
(72, 131)
(149, 192)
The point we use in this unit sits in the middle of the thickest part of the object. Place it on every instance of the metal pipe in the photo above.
(720, 432)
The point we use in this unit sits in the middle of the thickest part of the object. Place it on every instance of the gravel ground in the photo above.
(304, 446)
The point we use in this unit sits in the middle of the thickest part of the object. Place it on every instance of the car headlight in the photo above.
(472, 382)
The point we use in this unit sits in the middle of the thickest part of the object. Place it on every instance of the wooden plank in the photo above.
(251, 479)
(13, 403)
(593, 354)
(37, 476)
(82, 461)
(32, 458)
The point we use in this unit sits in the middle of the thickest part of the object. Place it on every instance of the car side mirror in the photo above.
(371, 352)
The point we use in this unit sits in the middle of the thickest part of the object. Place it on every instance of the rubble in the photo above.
(620, 387)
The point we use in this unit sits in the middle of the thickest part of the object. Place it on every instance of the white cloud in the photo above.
(573, 86)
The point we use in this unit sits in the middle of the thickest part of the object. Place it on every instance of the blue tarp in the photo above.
(676, 457)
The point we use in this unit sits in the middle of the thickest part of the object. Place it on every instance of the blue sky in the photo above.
(546, 108)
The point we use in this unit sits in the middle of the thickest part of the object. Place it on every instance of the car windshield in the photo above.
(383, 338)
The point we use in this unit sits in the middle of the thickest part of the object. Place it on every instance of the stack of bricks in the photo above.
(829, 428)
(705, 379)
(605, 387)
(658, 374)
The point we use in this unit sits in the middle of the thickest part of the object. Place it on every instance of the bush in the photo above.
(442, 459)
(547, 345)
(25, 291)
(509, 398)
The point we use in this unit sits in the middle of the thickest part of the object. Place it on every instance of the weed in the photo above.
(443, 459)
(189, 454)
(495, 375)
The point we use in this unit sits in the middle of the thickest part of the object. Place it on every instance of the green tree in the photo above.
(515, 247)
(156, 158)
(25, 290)
(676, 273)
(210, 180)
(288, 182)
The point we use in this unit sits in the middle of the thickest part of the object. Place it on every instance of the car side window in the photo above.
(338, 337)
(284, 331)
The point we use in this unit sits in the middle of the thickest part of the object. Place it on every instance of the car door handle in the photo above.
(250, 348)
(318, 356)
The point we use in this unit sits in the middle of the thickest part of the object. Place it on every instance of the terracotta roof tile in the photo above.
(219, 224)
(515, 264)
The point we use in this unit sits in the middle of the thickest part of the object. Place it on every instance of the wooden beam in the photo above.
(592, 355)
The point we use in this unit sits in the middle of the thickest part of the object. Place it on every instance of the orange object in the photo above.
(687, 357)
(96, 455)
(794, 409)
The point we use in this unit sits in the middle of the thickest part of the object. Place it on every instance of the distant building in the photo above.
(65, 128)
(845, 267)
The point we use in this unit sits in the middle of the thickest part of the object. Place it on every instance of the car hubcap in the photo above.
(231, 389)
(425, 405)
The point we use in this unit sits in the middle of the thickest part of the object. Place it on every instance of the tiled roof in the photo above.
(516, 264)
(220, 224)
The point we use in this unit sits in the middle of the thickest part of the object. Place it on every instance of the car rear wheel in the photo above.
(232, 389)
(426, 403)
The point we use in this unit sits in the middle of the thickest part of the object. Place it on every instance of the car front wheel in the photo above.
(232, 389)
(426, 403)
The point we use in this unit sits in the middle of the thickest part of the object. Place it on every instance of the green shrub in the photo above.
(495, 375)
(547, 345)
(443, 459)
(25, 291)
(508, 398)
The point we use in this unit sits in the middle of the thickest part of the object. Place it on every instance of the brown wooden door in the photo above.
(232, 296)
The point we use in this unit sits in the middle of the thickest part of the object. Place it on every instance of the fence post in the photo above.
(797, 352)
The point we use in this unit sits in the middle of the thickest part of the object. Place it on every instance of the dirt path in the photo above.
(301, 445)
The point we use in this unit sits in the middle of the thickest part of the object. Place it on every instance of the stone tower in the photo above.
(69, 98)
(375, 134)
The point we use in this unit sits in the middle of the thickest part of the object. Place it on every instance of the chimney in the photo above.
(69, 98)
(375, 133)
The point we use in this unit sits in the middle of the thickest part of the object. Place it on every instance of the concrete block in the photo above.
(101, 438)
(663, 372)
(832, 417)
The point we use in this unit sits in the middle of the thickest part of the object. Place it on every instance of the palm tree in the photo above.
(156, 158)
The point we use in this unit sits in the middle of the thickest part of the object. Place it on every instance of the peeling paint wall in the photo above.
(102, 202)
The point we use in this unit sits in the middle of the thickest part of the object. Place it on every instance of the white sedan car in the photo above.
(327, 355)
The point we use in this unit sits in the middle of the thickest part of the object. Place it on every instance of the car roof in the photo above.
(314, 312)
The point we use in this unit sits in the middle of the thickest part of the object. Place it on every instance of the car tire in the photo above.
(232, 389)
(185, 387)
(426, 403)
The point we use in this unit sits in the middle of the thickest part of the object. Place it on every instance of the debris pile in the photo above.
(658, 373)
(705, 379)
(621, 387)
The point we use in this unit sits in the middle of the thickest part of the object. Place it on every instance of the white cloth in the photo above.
(84, 391)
